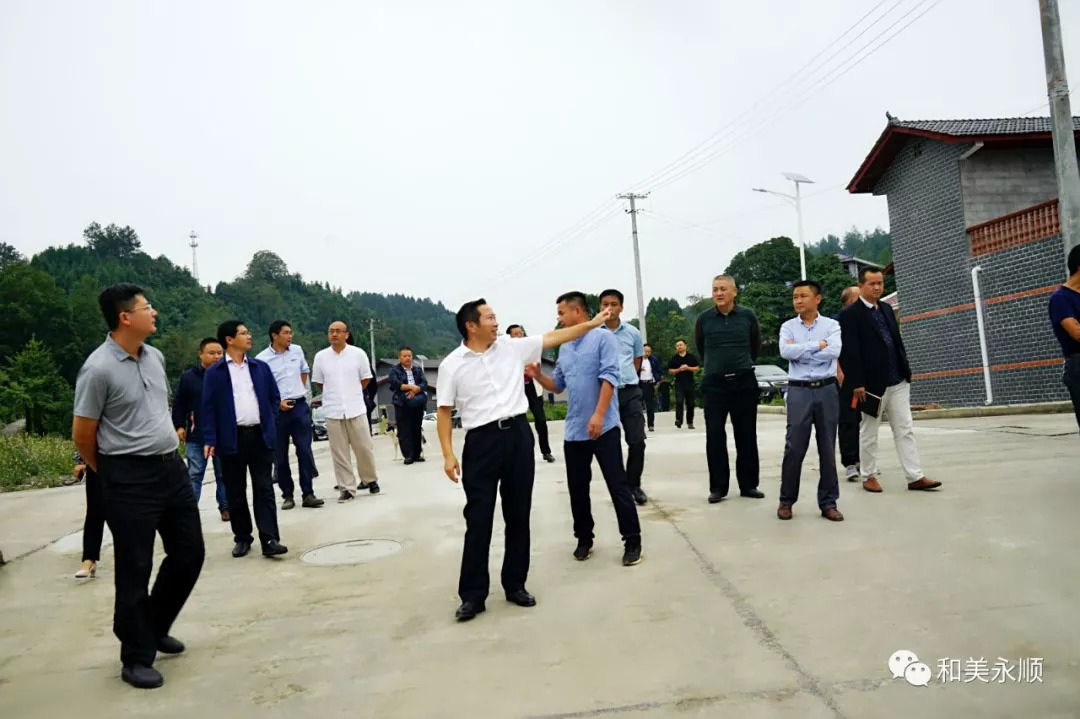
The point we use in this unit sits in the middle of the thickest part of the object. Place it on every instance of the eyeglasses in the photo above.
(147, 306)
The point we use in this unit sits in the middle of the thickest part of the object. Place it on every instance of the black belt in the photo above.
(248, 427)
(628, 386)
(505, 423)
(296, 399)
(144, 457)
(812, 384)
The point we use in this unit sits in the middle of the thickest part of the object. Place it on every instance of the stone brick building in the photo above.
(966, 194)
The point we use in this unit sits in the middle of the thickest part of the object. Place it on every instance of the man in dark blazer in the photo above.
(410, 397)
(240, 402)
(848, 431)
(876, 370)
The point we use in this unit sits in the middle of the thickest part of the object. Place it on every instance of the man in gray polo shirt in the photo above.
(123, 430)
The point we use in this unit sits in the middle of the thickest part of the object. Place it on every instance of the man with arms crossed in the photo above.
(1065, 319)
(630, 400)
(482, 377)
(683, 366)
(343, 371)
(876, 367)
(589, 368)
(810, 343)
(123, 430)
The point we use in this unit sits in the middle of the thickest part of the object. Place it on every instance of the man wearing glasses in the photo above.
(240, 405)
(123, 430)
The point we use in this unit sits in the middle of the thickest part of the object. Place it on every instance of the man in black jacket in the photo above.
(850, 417)
(410, 397)
(186, 416)
(876, 369)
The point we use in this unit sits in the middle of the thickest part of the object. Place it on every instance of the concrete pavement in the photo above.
(732, 612)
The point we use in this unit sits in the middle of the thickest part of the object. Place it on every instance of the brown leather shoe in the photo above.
(832, 514)
(224, 515)
(871, 485)
(784, 512)
(923, 484)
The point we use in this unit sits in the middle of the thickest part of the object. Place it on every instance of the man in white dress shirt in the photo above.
(343, 371)
(482, 377)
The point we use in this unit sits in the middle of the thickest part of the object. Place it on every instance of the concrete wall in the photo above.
(928, 213)
(999, 182)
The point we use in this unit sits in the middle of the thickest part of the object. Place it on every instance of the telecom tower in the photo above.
(194, 264)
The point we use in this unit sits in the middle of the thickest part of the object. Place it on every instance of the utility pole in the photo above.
(637, 260)
(194, 264)
(371, 337)
(1057, 90)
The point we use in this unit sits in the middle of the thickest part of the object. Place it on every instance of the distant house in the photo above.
(385, 397)
(853, 264)
(973, 201)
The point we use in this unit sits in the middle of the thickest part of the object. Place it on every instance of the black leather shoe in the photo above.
(753, 494)
(632, 553)
(289, 503)
(584, 549)
(408, 462)
(241, 548)
(639, 496)
(142, 677)
(169, 645)
(715, 497)
(548, 458)
(521, 598)
(274, 548)
(373, 487)
(469, 610)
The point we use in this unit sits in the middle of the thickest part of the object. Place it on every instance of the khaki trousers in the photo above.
(351, 433)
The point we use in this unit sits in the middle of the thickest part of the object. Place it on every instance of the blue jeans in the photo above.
(294, 424)
(196, 465)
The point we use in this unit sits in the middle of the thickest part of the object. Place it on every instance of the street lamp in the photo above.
(797, 197)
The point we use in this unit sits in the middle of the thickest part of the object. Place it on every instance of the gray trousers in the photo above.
(819, 409)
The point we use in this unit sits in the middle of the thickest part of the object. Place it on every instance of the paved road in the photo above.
(732, 613)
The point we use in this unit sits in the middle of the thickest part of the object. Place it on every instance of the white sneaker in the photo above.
(852, 472)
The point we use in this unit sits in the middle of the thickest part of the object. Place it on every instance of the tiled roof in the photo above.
(999, 131)
(1000, 126)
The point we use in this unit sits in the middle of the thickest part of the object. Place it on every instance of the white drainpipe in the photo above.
(982, 333)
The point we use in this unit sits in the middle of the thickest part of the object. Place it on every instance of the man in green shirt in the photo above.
(728, 340)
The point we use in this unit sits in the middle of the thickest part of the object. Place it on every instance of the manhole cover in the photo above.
(353, 551)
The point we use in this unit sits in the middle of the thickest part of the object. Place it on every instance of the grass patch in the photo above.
(33, 462)
(552, 412)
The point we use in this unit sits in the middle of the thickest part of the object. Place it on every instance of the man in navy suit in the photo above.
(240, 403)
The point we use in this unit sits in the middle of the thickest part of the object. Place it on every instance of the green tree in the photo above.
(112, 241)
(32, 305)
(31, 384)
(9, 255)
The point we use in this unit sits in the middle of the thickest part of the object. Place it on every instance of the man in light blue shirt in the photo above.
(588, 368)
(291, 371)
(631, 401)
(811, 345)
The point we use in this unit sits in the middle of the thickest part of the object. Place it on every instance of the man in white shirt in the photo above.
(342, 371)
(482, 377)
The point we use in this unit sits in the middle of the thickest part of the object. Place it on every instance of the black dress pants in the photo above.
(648, 398)
(144, 496)
(737, 398)
(607, 448)
(409, 423)
(1071, 377)
(94, 524)
(632, 418)
(536, 404)
(254, 456)
(684, 397)
(496, 461)
(848, 431)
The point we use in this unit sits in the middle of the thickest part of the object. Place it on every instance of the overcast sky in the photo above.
(440, 149)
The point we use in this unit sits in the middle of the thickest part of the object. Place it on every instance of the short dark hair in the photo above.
(574, 298)
(647, 345)
(469, 312)
(864, 270)
(115, 299)
(276, 326)
(209, 341)
(612, 293)
(680, 339)
(816, 287)
(402, 348)
(515, 327)
(1074, 260)
(227, 329)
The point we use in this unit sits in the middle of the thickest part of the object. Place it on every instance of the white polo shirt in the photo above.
(341, 375)
(486, 386)
(245, 403)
